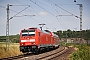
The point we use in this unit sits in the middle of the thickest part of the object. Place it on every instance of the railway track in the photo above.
(47, 55)
(44, 56)
(53, 55)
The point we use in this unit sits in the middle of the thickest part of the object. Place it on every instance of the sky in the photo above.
(44, 11)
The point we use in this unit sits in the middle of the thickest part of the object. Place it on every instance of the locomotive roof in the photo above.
(30, 28)
(45, 31)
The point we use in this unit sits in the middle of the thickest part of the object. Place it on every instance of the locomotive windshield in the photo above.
(28, 32)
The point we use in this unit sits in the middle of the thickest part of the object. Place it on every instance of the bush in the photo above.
(82, 54)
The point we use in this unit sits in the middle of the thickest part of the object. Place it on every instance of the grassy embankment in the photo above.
(13, 50)
(83, 52)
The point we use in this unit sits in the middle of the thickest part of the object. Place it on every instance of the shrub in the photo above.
(82, 54)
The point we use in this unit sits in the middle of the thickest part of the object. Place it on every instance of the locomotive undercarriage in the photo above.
(25, 49)
(35, 49)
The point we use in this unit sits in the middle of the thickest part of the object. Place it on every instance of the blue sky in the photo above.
(45, 11)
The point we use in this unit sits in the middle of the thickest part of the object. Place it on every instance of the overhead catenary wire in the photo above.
(41, 7)
(71, 14)
(34, 19)
(35, 12)
(19, 12)
(63, 23)
(30, 10)
(14, 11)
(66, 11)
(57, 12)
(46, 10)
(2, 6)
(21, 4)
(53, 6)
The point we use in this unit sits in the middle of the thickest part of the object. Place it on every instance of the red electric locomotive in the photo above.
(35, 40)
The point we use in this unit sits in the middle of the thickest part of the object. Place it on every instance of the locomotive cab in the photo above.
(28, 40)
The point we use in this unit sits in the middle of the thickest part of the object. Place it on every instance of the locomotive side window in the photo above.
(28, 32)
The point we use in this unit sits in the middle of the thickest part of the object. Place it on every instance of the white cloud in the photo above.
(42, 13)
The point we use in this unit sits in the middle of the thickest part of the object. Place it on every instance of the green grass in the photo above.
(13, 50)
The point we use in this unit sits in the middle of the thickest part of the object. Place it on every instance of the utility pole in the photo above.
(7, 23)
(80, 5)
(80, 8)
(7, 29)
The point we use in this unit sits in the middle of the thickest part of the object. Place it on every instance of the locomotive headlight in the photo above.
(33, 43)
(22, 44)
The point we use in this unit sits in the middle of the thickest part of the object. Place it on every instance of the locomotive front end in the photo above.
(28, 41)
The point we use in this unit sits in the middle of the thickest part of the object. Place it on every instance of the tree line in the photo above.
(12, 38)
(85, 34)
